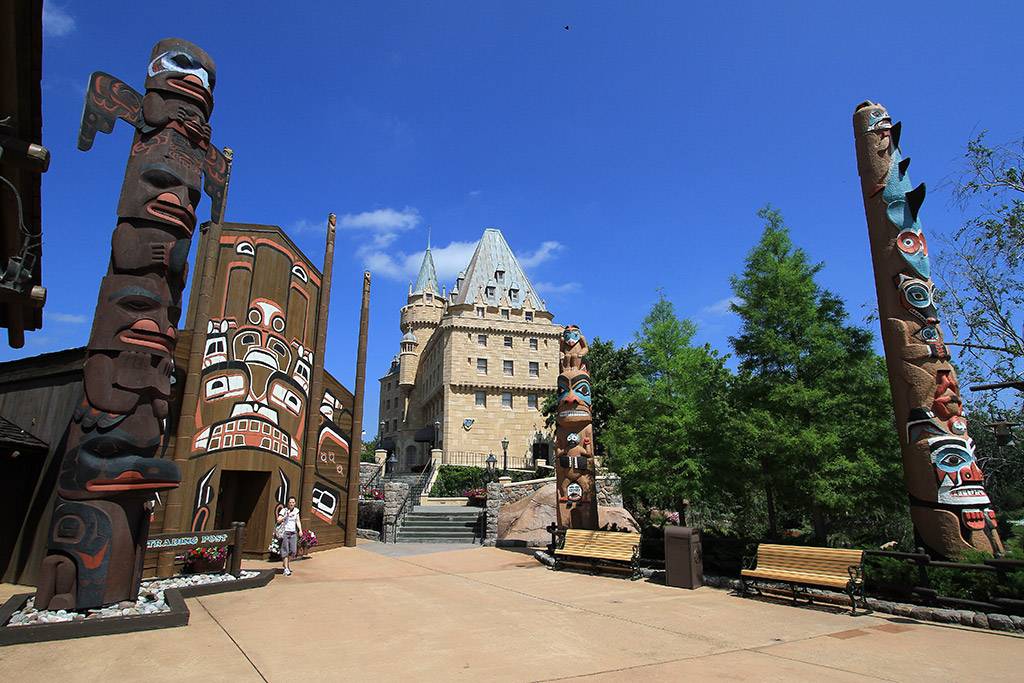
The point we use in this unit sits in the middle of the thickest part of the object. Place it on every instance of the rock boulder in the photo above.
(527, 518)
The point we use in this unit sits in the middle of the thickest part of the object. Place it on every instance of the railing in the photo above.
(999, 567)
(511, 462)
(374, 482)
(410, 495)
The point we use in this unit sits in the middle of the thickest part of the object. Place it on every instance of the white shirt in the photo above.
(291, 518)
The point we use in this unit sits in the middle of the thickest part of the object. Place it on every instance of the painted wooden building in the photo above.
(255, 417)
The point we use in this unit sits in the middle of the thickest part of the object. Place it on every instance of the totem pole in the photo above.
(574, 436)
(948, 504)
(111, 470)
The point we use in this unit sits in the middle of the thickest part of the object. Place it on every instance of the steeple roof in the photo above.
(495, 275)
(426, 281)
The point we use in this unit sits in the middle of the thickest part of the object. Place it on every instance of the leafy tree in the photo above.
(366, 453)
(812, 421)
(658, 435)
(983, 274)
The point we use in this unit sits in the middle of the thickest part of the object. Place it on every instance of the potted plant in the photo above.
(307, 539)
(205, 560)
(477, 497)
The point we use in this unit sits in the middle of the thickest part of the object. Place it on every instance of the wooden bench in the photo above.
(613, 550)
(802, 566)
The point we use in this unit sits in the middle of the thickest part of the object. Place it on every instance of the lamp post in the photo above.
(437, 431)
(380, 433)
(491, 464)
(504, 450)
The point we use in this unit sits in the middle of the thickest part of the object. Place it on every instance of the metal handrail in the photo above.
(377, 477)
(424, 477)
(999, 566)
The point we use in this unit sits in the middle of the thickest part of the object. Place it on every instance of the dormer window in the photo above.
(513, 294)
(489, 291)
(499, 275)
(429, 297)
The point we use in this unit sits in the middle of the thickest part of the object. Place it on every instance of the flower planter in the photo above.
(200, 565)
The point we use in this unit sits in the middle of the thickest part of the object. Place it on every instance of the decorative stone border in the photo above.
(995, 622)
(178, 614)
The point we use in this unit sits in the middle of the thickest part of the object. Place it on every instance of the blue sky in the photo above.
(625, 155)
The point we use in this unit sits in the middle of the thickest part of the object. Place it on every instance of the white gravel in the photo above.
(151, 601)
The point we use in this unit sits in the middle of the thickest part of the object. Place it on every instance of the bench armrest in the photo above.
(856, 572)
(749, 561)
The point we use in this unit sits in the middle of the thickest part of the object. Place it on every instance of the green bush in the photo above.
(457, 480)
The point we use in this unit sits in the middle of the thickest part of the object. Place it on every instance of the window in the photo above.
(481, 366)
(429, 297)
(394, 425)
(506, 400)
(489, 291)
(534, 369)
(508, 342)
(499, 275)
(387, 404)
(529, 316)
(507, 368)
(531, 401)
(533, 344)
(479, 311)
(481, 340)
(504, 313)
(481, 399)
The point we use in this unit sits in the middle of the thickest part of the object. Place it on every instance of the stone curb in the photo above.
(994, 622)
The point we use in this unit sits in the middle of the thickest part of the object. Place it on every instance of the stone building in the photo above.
(474, 366)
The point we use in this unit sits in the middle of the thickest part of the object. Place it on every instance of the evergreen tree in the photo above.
(812, 423)
(658, 434)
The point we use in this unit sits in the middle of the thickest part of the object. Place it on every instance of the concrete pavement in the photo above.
(486, 613)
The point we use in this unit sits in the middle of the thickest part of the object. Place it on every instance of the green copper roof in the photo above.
(494, 273)
(426, 281)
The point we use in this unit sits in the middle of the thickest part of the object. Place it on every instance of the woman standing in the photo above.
(291, 526)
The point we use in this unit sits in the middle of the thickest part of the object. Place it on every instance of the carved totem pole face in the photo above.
(574, 440)
(109, 471)
(950, 508)
(257, 366)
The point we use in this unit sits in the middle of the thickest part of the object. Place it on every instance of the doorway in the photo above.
(245, 497)
(540, 453)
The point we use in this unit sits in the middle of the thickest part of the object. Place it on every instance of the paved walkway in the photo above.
(489, 614)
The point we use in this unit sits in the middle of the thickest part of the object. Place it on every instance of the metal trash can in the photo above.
(684, 564)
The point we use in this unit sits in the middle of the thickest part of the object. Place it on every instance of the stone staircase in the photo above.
(441, 524)
(411, 479)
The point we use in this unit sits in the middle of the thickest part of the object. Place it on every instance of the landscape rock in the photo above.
(1000, 622)
(527, 518)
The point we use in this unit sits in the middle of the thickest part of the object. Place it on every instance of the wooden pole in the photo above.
(174, 517)
(311, 451)
(355, 448)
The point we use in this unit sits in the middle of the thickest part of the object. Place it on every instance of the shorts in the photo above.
(289, 543)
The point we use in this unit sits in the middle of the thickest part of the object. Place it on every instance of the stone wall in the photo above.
(395, 494)
(366, 472)
(609, 490)
(494, 500)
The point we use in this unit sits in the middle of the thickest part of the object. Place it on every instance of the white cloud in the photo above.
(545, 252)
(382, 220)
(448, 261)
(56, 21)
(549, 288)
(303, 225)
(72, 318)
(722, 307)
